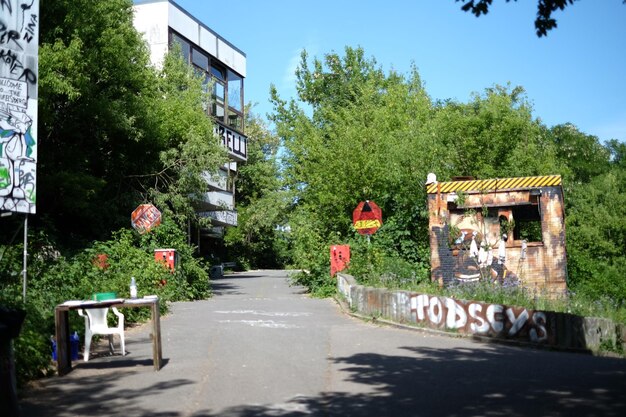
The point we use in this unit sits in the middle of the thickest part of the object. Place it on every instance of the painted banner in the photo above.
(19, 39)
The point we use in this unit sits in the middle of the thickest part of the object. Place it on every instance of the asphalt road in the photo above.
(260, 347)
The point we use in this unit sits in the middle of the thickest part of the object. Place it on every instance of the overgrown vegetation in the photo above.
(357, 133)
(54, 278)
(115, 132)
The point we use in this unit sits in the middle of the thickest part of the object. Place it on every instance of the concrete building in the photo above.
(163, 24)
(510, 230)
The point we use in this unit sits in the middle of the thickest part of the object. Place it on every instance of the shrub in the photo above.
(53, 279)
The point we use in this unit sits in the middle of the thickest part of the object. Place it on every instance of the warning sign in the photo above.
(367, 217)
(145, 217)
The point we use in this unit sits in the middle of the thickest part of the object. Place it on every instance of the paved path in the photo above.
(260, 347)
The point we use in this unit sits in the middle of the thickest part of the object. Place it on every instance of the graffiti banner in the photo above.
(19, 39)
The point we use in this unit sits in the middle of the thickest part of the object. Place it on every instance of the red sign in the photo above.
(145, 218)
(367, 217)
(339, 258)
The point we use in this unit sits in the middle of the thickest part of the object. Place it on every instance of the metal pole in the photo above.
(25, 257)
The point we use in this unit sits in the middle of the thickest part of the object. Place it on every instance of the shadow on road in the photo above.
(465, 382)
(97, 395)
(225, 288)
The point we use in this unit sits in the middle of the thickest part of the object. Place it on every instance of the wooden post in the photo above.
(64, 359)
(157, 355)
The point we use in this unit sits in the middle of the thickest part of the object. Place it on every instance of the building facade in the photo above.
(509, 230)
(164, 24)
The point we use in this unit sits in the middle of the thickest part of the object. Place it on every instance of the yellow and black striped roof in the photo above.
(495, 184)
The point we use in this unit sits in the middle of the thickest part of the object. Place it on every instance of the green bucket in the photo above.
(102, 296)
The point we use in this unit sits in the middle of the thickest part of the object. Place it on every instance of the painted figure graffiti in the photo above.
(16, 170)
(19, 37)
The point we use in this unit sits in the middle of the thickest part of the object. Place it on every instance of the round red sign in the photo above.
(367, 217)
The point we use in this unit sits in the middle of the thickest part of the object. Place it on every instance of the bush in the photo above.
(53, 279)
(374, 265)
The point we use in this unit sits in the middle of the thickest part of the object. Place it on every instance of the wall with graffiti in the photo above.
(509, 231)
(483, 320)
(19, 38)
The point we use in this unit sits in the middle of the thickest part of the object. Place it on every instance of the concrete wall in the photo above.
(497, 321)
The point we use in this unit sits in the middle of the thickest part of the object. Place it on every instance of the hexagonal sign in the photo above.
(145, 218)
(367, 217)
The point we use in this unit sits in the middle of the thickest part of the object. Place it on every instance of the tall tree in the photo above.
(495, 135)
(259, 241)
(115, 131)
(94, 83)
(364, 140)
(372, 135)
(544, 21)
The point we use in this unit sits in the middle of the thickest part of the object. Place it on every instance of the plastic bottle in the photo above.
(74, 339)
(53, 340)
(133, 288)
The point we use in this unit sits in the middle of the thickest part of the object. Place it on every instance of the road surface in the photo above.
(261, 347)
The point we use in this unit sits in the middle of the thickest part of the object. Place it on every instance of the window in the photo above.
(234, 91)
(199, 59)
(527, 223)
(218, 72)
(235, 102)
(227, 86)
(217, 109)
(185, 47)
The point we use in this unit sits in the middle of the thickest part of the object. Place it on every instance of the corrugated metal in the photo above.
(495, 184)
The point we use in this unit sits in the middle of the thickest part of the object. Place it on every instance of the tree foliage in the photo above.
(115, 131)
(358, 133)
(544, 21)
(258, 240)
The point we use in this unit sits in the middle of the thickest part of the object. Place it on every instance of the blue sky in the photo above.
(576, 74)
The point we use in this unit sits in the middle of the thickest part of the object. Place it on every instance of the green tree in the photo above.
(584, 155)
(258, 240)
(596, 236)
(364, 140)
(188, 148)
(115, 131)
(544, 21)
(94, 83)
(357, 133)
(494, 135)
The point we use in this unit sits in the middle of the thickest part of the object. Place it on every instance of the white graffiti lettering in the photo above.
(517, 322)
(456, 317)
(481, 325)
(539, 332)
(435, 303)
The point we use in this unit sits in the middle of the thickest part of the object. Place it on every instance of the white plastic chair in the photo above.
(96, 323)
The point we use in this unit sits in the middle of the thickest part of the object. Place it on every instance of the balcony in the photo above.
(218, 200)
(217, 181)
(221, 217)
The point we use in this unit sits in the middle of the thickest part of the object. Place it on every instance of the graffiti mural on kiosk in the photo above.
(19, 37)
